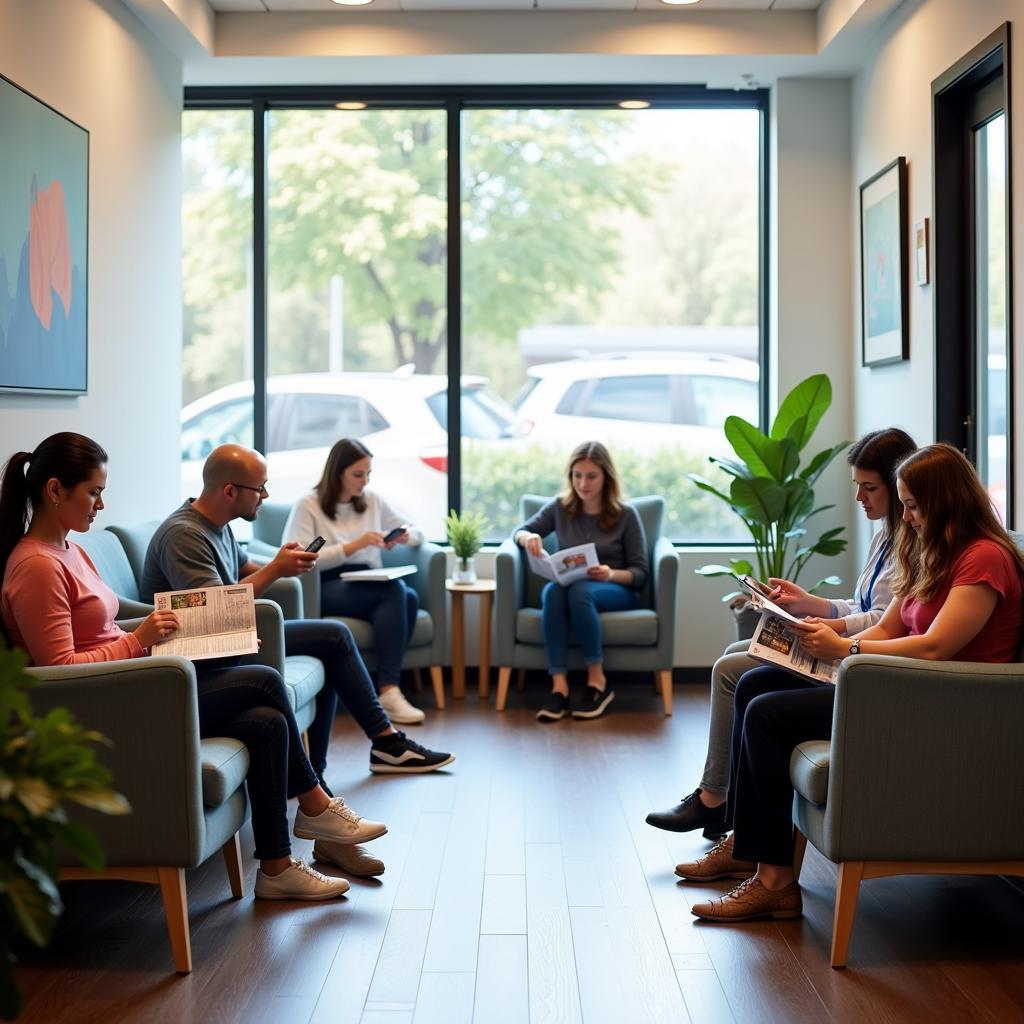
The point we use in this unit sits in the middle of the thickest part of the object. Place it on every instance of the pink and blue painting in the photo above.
(44, 234)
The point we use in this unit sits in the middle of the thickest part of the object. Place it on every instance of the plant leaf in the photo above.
(821, 461)
(100, 799)
(704, 485)
(749, 444)
(760, 499)
(809, 400)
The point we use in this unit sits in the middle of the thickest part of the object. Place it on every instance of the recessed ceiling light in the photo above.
(674, 3)
(350, 105)
(634, 104)
(360, 3)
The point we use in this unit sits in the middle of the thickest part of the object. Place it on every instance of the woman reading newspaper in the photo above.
(956, 596)
(56, 607)
(873, 460)
(589, 510)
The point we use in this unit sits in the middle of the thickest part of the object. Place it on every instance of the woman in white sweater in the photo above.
(356, 524)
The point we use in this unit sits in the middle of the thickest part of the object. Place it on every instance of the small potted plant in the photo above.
(43, 762)
(465, 534)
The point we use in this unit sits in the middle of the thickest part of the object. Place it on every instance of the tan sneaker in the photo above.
(751, 899)
(717, 863)
(338, 823)
(353, 860)
(398, 709)
(298, 881)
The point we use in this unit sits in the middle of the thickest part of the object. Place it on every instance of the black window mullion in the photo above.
(259, 274)
(454, 313)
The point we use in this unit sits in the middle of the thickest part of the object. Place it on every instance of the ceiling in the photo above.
(416, 6)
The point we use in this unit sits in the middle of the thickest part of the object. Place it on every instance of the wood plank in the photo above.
(445, 998)
(504, 905)
(502, 981)
(397, 977)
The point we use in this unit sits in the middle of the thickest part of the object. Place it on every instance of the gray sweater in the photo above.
(623, 546)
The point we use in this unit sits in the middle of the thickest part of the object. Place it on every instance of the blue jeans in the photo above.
(346, 677)
(578, 605)
(390, 607)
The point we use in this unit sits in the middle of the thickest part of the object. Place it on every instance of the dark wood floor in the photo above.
(525, 886)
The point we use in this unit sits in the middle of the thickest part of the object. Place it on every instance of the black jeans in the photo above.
(346, 677)
(774, 711)
(248, 703)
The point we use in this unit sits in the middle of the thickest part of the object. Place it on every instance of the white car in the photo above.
(642, 400)
(401, 417)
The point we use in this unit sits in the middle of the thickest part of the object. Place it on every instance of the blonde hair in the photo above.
(611, 494)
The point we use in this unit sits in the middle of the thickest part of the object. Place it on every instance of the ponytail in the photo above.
(14, 505)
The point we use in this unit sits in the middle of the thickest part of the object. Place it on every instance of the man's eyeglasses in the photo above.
(262, 489)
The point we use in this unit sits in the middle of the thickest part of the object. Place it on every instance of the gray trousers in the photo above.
(724, 677)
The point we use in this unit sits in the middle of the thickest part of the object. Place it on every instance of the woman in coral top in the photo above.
(956, 597)
(56, 607)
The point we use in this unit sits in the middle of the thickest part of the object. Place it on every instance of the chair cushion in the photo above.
(808, 770)
(362, 631)
(269, 524)
(636, 628)
(303, 679)
(135, 541)
(225, 763)
(111, 562)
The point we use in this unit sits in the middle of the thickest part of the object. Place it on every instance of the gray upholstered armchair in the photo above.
(910, 740)
(641, 640)
(427, 647)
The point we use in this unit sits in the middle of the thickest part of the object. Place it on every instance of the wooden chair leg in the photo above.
(305, 741)
(665, 678)
(172, 889)
(504, 676)
(437, 681)
(521, 680)
(799, 849)
(847, 890)
(232, 851)
(417, 680)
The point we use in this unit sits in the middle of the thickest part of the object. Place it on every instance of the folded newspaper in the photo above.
(214, 622)
(776, 643)
(565, 566)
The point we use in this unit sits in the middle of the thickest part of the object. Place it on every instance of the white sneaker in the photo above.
(298, 881)
(398, 708)
(338, 823)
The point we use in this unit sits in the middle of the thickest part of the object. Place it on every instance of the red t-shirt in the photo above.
(982, 561)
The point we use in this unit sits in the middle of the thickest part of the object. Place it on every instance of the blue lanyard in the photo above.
(883, 556)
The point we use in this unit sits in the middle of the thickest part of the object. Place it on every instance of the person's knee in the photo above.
(268, 723)
(552, 596)
(579, 595)
(337, 633)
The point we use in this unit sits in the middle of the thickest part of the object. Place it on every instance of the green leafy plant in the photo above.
(465, 532)
(43, 761)
(769, 491)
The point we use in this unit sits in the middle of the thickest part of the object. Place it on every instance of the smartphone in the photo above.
(396, 532)
(316, 544)
(756, 586)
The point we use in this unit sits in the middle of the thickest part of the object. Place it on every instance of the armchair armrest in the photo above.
(912, 739)
(508, 598)
(270, 630)
(129, 609)
(664, 593)
(147, 708)
(428, 582)
(288, 593)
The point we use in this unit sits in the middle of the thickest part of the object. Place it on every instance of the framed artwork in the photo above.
(885, 319)
(921, 251)
(44, 247)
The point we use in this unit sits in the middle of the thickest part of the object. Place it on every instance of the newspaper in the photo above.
(565, 566)
(776, 643)
(214, 622)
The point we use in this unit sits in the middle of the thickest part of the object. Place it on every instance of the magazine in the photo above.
(565, 566)
(214, 622)
(381, 575)
(776, 643)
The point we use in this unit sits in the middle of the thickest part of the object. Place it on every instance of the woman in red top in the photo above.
(957, 597)
(57, 608)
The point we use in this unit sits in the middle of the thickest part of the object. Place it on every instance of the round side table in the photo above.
(484, 589)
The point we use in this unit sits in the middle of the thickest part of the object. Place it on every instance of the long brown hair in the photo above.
(67, 457)
(955, 510)
(881, 452)
(341, 456)
(611, 494)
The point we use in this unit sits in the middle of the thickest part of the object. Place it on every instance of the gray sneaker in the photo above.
(339, 824)
(298, 881)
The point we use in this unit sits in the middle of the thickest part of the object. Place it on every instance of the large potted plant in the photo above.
(43, 762)
(774, 496)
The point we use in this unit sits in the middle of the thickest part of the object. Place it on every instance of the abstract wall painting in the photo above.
(44, 244)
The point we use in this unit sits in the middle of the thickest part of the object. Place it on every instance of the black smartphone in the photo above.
(396, 532)
(316, 544)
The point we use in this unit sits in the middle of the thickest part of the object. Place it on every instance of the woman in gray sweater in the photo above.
(589, 510)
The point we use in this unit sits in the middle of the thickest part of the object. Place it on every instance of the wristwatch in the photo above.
(855, 647)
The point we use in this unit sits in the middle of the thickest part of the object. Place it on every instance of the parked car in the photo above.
(640, 400)
(402, 417)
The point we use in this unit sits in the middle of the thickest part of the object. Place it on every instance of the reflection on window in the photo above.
(715, 398)
(645, 399)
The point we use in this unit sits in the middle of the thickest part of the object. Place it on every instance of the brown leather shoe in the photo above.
(353, 860)
(751, 899)
(717, 863)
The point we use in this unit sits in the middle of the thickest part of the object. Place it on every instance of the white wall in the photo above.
(95, 62)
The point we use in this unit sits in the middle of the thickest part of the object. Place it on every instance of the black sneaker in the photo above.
(399, 755)
(690, 814)
(554, 708)
(593, 703)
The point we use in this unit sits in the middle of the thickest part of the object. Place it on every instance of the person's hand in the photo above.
(156, 626)
(786, 594)
(293, 560)
(370, 539)
(402, 538)
(820, 640)
(533, 544)
(599, 572)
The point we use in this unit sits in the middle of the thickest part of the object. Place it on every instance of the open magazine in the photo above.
(378, 575)
(565, 566)
(214, 622)
(776, 643)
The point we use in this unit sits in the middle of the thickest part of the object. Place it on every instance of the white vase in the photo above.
(465, 571)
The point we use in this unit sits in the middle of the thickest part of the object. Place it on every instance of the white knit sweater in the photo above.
(307, 520)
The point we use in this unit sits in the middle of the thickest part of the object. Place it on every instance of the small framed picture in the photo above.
(921, 251)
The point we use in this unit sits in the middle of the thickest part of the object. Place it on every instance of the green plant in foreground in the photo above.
(43, 761)
(465, 532)
(771, 494)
